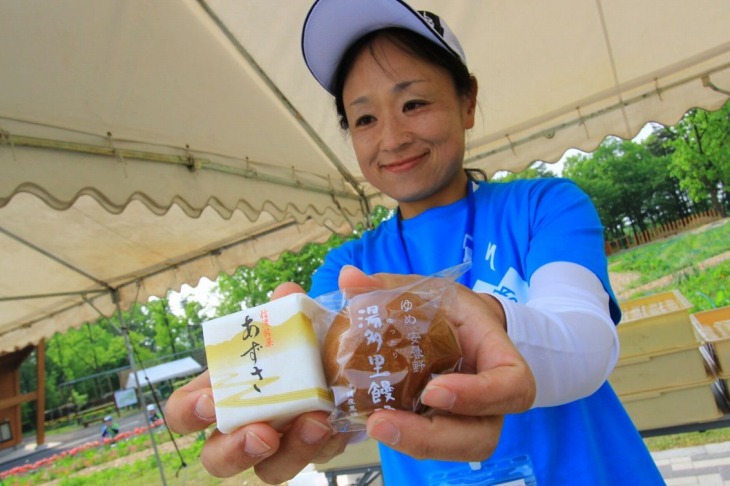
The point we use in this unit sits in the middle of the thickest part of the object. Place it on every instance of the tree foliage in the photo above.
(629, 185)
(701, 158)
(535, 171)
(249, 287)
(674, 172)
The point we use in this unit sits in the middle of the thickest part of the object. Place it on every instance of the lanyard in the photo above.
(468, 242)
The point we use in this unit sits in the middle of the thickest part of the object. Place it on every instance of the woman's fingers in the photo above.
(285, 289)
(442, 437)
(190, 408)
(276, 458)
(354, 278)
(303, 441)
(495, 378)
(225, 455)
(500, 380)
(496, 392)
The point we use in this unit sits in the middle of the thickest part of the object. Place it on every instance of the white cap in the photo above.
(332, 26)
(151, 407)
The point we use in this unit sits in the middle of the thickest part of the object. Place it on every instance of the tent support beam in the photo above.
(138, 279)
(54, 258)
(188, 161)
(53, 294)
(290, 107)
(125, 332)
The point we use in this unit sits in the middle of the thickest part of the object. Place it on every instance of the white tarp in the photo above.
(144, 145)
(163, 372)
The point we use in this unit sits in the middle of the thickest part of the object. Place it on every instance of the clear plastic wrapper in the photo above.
(384, 346)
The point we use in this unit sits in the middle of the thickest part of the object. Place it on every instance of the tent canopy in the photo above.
(163, 372)
(144, 145)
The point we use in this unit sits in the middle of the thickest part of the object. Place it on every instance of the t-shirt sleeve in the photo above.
(566, 227)
(324, 279)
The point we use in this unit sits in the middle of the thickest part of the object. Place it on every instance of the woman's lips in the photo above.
(402, 165)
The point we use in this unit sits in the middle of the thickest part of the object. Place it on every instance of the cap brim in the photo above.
(332, 26)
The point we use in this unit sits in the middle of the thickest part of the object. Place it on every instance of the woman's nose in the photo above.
(395, 134)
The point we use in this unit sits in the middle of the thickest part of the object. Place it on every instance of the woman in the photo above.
(535, 314)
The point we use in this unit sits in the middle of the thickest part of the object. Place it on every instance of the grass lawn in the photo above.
(688, 439)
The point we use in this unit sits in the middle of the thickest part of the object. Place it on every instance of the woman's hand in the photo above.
(495, 380)
(276, 457)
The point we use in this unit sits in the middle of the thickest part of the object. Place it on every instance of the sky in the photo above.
(557, 167)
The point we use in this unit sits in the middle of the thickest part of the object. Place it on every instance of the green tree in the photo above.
(538, 170)
(166, 332)
(701, 157)
(629, 183)
(252, 286)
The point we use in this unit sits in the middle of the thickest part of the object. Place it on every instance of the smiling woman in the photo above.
(535, 314)
(407, 123)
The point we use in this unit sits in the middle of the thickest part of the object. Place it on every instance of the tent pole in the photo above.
(133, 366)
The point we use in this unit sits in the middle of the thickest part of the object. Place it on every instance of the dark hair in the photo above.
(411, 42)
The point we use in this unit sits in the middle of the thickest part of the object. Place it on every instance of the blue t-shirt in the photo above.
(518, 227)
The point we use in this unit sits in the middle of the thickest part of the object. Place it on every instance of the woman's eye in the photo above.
(412, 105)
(364, 120)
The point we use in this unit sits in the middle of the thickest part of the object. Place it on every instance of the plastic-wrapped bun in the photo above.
(385, 345)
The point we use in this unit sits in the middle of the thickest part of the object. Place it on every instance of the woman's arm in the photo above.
(564, 332)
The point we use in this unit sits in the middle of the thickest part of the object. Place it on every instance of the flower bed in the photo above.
(86, 455)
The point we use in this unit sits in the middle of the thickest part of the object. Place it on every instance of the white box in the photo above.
(265, 362)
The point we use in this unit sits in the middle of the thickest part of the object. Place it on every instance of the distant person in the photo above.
(109, 429)
(152, 414)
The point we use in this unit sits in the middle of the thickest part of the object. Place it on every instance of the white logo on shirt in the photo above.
(491, 250)
(511, 287)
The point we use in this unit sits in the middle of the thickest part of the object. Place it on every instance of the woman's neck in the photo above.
(452, 192)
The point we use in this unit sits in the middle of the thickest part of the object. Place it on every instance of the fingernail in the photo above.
(439, 397)
(385, 432)
(204, 408)
(313, 431)
(254, 446)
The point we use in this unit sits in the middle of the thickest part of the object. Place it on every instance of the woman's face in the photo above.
(407, 125)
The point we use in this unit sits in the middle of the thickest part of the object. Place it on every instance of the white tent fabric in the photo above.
(144, 145)
(163, 372)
